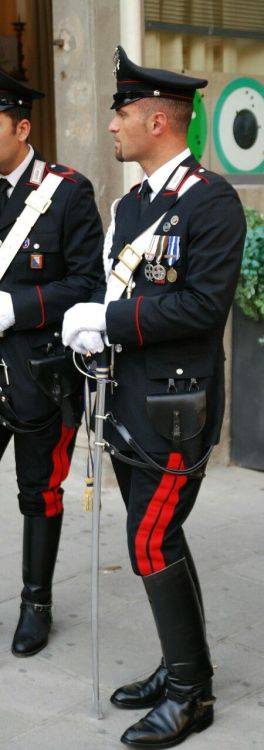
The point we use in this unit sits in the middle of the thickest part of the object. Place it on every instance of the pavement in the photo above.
(46, 700)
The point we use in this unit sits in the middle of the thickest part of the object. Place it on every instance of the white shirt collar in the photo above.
(161, 175)
(14, 176)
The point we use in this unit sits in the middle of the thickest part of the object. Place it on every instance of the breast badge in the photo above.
(36, 261)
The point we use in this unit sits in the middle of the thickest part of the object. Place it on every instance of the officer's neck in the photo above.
(9, 165)
(163, 150)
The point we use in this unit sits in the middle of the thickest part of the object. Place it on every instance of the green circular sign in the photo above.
(197, 131)
(238, 126)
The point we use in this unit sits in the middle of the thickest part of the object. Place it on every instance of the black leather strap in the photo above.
(193, 471)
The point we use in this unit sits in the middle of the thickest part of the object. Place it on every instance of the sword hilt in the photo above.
(103, 364)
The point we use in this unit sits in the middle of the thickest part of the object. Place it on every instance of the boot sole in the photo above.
(135, 706)
(198, 727)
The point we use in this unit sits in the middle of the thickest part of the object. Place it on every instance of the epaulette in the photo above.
(41, 168)
(66, 172)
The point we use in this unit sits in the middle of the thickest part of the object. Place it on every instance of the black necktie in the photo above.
(4, 185)
(145, 197)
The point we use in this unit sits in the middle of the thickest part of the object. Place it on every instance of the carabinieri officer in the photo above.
(49, 258)
(172, 254)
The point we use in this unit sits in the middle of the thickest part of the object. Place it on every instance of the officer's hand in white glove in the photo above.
(86, 316)
(7, 316)
(87, 341)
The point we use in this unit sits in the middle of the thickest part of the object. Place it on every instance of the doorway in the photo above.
(26, 52)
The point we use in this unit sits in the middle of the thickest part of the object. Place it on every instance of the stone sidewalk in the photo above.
(46, 700)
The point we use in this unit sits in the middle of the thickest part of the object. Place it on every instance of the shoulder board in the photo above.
(68, 173)
(41, 168)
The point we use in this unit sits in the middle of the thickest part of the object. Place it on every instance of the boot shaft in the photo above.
(40, 546)
(180, 624)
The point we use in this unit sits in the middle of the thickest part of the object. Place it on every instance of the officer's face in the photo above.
(131, 133)
(13, 146)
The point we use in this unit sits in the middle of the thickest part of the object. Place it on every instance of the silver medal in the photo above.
(159, 272)
(148, 271)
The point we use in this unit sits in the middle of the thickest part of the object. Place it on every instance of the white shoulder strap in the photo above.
(37, 203)
(108, 262)
(131, 255)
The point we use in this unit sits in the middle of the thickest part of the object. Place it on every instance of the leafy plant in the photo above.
(250, 289)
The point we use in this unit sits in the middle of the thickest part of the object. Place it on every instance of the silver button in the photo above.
(179, 371)
(3, 398)
(56, 334)
(118, 348)
(36, 246)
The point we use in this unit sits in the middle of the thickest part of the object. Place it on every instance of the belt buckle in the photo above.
(130, 263)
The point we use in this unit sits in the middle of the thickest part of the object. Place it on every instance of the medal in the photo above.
(171, 274)
(151, 251)
(159, 272)
(173, 250)
(148, 271)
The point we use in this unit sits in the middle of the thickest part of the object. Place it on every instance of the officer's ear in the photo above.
(159, 123)
(23, 129)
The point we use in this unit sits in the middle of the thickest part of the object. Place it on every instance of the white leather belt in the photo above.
(37, 203)
(131, 255)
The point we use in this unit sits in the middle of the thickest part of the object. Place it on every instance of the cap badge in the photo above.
(116, 61)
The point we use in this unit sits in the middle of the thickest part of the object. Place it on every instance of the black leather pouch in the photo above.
(56, 375)
(180, 418)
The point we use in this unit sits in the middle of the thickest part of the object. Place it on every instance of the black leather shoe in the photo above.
(141, 694)
(32, 630)
(169, 723)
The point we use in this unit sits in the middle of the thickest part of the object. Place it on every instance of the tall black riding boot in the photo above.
(40, 547)
(145, 693)
(187, 703)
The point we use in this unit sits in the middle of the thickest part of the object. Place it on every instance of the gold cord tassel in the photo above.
(88, 495)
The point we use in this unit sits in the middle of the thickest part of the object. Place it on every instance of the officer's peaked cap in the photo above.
(134, 82)
(15, 94)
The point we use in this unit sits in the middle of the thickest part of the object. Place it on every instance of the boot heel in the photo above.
(206, 721)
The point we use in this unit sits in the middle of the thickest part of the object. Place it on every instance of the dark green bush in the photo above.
(250, 289)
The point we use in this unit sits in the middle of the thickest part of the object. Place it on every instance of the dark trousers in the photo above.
(157, 506)
(42, 463)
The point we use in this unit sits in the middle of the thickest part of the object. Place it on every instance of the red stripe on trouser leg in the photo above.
(61, 465)
(160, 510)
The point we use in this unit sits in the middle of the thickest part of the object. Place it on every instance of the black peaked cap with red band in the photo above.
(134, 82)
(15, 94)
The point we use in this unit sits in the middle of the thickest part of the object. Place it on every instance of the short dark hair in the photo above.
(17, 114)
(178, 111)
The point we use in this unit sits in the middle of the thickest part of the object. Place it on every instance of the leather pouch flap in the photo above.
(177, 416)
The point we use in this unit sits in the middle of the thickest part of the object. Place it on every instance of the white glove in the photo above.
(7, 315)
(87, 341)
(86, 316)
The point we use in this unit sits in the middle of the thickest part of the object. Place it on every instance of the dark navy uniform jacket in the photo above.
(174, 329)
(58, 265)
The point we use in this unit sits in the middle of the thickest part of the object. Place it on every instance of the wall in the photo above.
(88, 33)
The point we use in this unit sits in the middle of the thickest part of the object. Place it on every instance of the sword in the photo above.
(102, 378)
